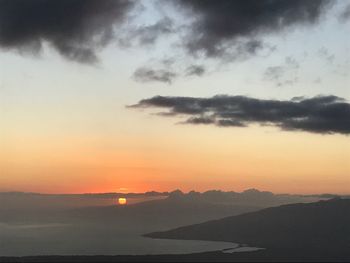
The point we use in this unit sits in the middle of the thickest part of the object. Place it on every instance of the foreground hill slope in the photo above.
(320, 225)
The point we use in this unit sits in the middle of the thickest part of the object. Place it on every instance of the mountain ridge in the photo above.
(319, 225)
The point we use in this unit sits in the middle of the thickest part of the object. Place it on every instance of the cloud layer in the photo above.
(75, 28)
(223, 24)
(145, 74)
(222, 29)
(321, 114)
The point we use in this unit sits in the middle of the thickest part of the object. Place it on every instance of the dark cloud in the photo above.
(145, 74)
(274, 73)
(200, 120)
(195, 70)
(75, 28)
(165, 71)
(147, 34)
(222, 25)
(292, 63)
(321, 114)
(325, 53)
(285, 74)
(345, 15)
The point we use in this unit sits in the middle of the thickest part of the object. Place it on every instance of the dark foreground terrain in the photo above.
(91, 224)
(321, 226)
(217, 256)
(310, 232)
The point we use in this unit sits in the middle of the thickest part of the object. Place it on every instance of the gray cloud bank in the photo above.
(321, 114)
(75, 28)
(223, 24)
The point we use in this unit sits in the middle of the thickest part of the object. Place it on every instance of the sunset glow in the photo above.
(122, 201)
(72, 126)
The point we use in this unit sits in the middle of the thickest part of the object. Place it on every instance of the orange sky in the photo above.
(236, 159)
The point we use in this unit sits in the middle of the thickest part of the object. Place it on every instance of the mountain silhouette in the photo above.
(81, 223)
(323, 225)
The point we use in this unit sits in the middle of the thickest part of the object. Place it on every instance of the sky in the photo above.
(102, 95)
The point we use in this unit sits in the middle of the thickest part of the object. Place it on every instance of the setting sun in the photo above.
(122, 201)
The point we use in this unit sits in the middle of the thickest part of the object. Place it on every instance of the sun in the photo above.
(122, 201)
